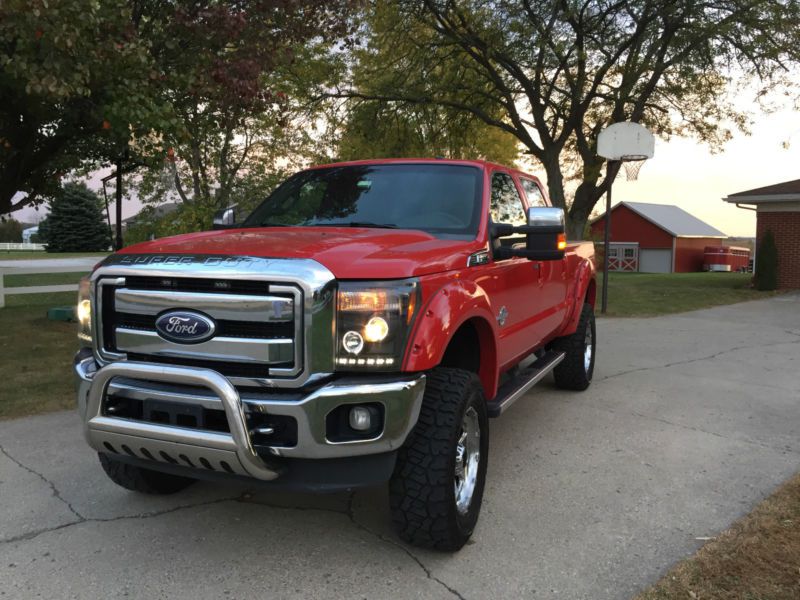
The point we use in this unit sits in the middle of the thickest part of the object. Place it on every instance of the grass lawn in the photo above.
(36, 368)
(22, 254)
(757, 558)
(650, 294)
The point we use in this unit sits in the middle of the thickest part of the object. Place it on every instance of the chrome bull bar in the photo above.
(232, 452)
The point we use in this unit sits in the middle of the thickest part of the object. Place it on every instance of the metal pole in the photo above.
(607, 234)
(118, 241)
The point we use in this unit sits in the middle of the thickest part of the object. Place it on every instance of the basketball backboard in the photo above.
(626, 141)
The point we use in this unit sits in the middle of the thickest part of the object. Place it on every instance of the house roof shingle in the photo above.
(786, 190)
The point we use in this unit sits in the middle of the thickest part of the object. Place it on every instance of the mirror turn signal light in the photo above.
(562, 241)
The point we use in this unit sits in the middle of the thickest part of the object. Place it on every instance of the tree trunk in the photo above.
(555, 179)
(586, 196)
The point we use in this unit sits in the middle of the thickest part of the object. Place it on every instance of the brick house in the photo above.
(778, 210)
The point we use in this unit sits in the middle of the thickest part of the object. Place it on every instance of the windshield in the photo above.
(444, 200)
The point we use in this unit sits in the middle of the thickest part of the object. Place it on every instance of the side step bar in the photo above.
(513, 389)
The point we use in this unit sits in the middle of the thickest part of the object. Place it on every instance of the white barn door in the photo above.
(655, 261)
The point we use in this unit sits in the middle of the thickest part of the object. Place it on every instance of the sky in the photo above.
(683, 172)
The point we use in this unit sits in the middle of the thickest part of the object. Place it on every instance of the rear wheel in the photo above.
(576, 370)
(437, 486)
(138, 479)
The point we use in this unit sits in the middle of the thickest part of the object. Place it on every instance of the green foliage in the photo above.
(75, 222)
(74, 82)
(237, 77)
(766, 275)
(395, 128)
(10, 231)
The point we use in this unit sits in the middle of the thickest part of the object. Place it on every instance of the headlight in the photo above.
(84, 312)
(373, 320)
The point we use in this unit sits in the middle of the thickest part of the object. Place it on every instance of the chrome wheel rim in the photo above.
(587, 349)
(468, 458)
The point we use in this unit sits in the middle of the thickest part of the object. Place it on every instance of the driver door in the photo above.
(513, 283)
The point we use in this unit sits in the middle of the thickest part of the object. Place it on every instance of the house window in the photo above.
(629, 253)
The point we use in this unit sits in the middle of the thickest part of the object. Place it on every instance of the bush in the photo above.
(10, 231)
(766, 276)
(75, 222)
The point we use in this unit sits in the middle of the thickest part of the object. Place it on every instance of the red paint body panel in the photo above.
(542, 298)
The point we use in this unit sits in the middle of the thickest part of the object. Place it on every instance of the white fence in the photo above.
(37, 289)
(8, 246)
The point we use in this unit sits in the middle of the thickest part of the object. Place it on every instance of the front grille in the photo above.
(196, 284)
(225, 328)
(257, 324)
(229, 369)
(180, 414)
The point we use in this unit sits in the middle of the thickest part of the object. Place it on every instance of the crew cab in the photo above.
(359, 327)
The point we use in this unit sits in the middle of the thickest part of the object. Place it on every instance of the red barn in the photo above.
(656, 238)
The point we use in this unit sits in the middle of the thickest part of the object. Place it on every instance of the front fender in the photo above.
(441, 317)
(585, 291)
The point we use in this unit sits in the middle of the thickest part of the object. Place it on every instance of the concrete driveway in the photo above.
(692, 419)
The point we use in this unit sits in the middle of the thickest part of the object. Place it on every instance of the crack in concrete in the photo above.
(54, 489)
(146, 515)
(696, 429)
(698, 359)
(396, 544)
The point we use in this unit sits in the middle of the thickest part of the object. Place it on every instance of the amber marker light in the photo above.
(562, 241)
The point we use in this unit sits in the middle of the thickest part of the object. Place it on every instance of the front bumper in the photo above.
(233, 452)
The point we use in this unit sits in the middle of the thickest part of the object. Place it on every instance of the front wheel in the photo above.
(437, 486)
(576, 370)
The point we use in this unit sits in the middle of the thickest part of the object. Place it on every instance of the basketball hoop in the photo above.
(631, 144)
(633, 164)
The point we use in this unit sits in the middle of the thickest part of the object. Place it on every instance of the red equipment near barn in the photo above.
(726, 258)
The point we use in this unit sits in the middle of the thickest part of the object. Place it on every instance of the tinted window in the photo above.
(506, 205)
(444, 200)
(533, 193)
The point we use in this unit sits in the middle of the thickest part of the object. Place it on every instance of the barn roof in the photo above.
(672, 219)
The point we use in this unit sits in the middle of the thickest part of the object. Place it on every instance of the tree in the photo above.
(74, 80)
(407, 129)
(75, 222)
(10, 231)
(766, 275)
(554, 73)
(225, 69)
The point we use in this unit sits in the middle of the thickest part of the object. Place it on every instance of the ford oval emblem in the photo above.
(185, 327)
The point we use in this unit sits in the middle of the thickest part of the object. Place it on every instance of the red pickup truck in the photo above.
(359, 327)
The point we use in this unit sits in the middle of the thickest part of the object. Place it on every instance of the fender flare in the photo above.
(441, 317)
(585, 290)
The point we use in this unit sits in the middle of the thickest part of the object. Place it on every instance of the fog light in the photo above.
(376, 329)
(353, 342)
(360, 418)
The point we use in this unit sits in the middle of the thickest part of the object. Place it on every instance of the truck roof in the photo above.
(481, 164)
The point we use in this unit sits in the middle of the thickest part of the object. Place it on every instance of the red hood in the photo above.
(349, 253)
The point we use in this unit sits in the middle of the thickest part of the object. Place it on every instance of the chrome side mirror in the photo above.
(546, 216)
(225, 218)
(546, 233)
